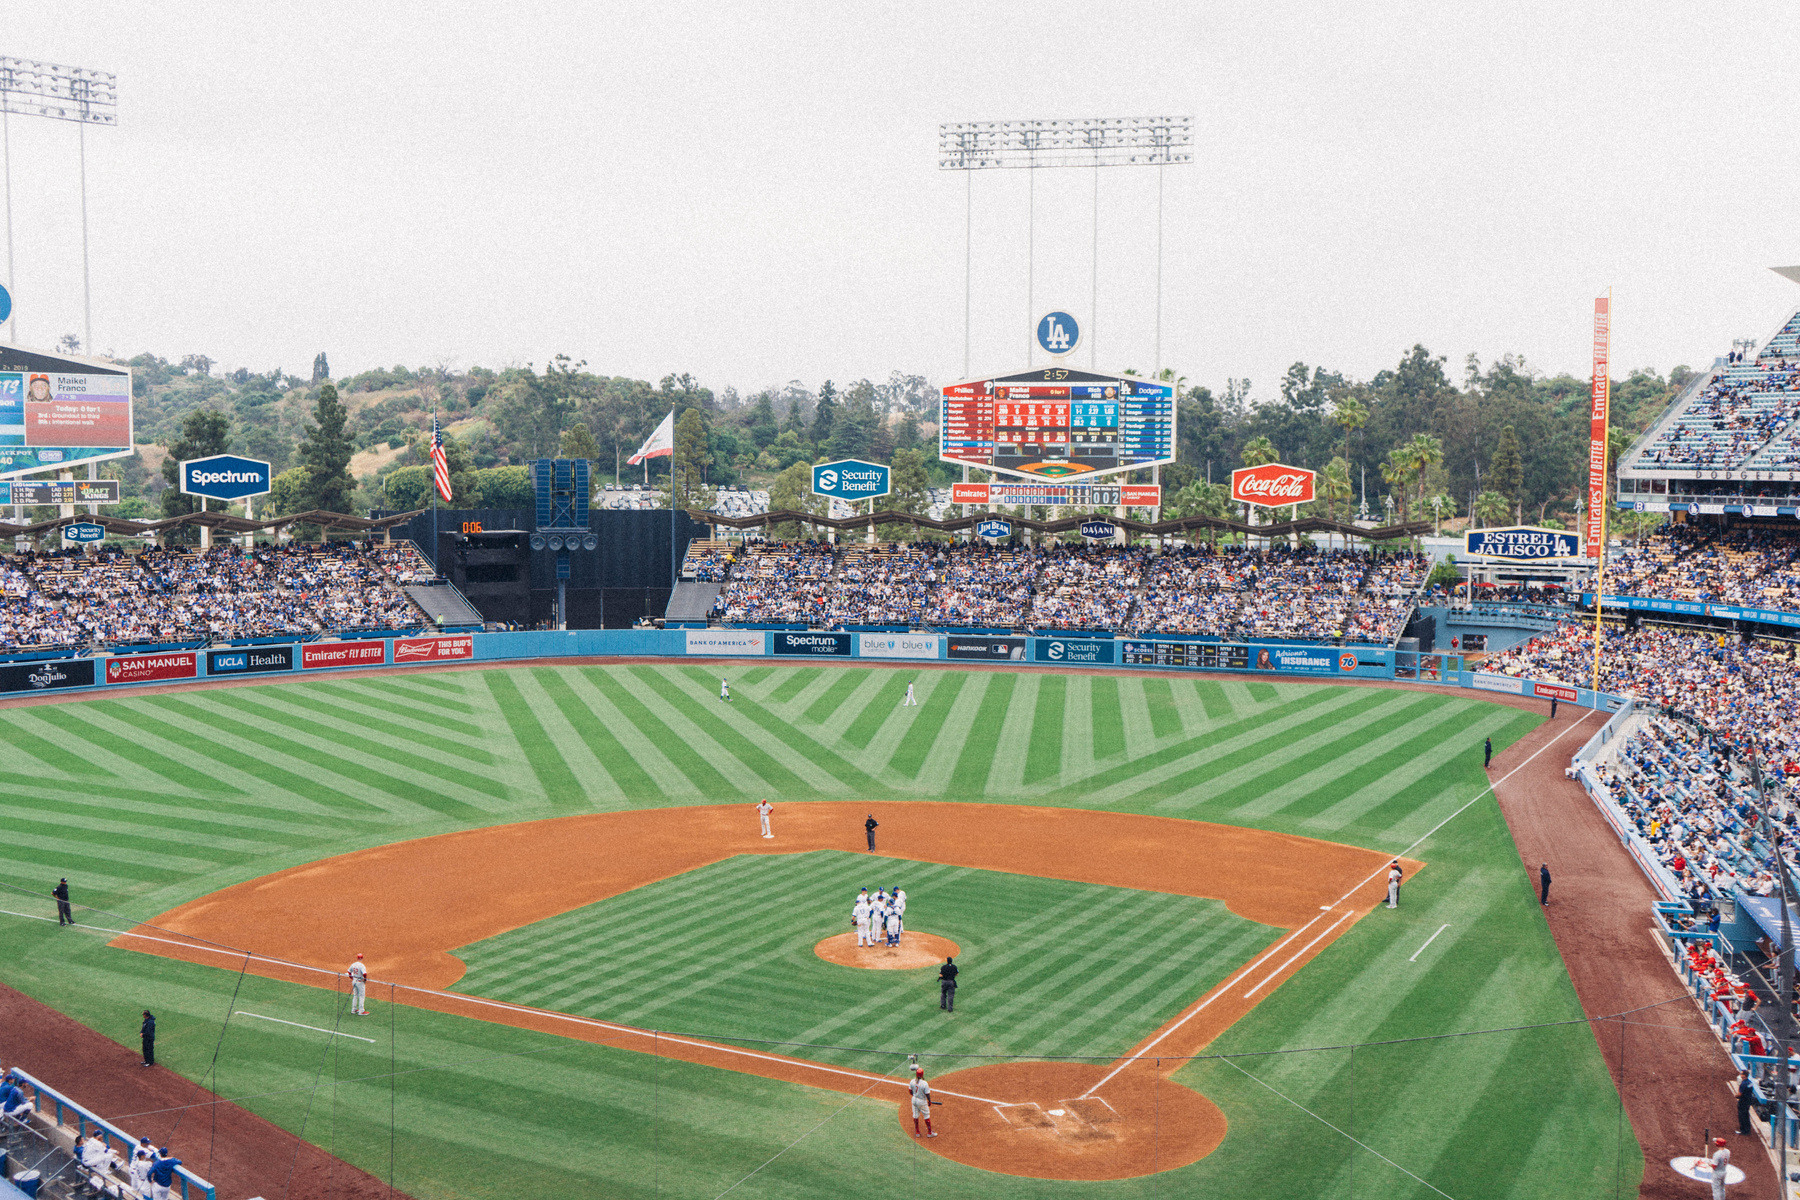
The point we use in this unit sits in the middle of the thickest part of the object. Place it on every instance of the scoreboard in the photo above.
(1213, 655)
(1054, 423)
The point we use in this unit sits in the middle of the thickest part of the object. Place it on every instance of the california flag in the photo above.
(659, 443)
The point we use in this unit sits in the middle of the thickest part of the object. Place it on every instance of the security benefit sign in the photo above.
(1080, 652)
(1523, 542)
(850, 479)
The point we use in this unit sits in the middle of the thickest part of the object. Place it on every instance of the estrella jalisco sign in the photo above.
(1522, 542)
(850, 479)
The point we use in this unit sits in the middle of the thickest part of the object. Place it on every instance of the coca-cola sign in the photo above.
(1273, 485)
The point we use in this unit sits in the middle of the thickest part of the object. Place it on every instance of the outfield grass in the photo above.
(1049, 967)
(148, 801)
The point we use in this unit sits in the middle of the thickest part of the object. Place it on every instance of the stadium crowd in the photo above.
(1750, 565)
(78, 599)
(1684, 786)
(1283, 592)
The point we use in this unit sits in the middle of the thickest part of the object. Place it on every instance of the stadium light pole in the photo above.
(1094, 142)
(61, 93)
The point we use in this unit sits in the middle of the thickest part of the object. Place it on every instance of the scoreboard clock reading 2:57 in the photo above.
(1053, 423)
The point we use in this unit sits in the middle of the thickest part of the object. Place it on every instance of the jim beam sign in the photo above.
(1272, 485)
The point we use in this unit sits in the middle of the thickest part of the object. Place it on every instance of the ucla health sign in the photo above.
(850, 479)
(1522, 542)
(225, 477)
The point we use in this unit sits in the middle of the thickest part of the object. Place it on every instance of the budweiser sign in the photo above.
(438, 649)
(1273, 485)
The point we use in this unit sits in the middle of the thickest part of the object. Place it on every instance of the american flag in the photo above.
(440, 465)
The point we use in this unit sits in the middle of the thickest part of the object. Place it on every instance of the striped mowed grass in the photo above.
(146, 801)
(1050, 967)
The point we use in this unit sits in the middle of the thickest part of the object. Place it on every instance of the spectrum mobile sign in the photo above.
(850, 479)
(1272, 485)
(1523, 542)
(225, 477)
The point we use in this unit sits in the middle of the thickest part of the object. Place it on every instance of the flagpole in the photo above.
(434, 498)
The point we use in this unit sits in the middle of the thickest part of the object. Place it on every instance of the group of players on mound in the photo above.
(879, 919)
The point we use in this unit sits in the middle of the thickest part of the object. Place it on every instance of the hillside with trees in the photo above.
(1503, 442)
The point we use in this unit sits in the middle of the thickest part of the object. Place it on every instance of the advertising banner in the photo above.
(1522, 542)
(59, 491)
(1306, 660)
(1600, 396)
(812, 643)
(1099, 530)
(1272, 485)
(142, 668)
(726, 641)
(1141, 495)
(47, 676)
(434, 649)
(342, 654)
(250, 660)
(850, 479)
(225, 477)
(1497, 683)
(994, 529)
(84, 533)
(897, 645)
(1555, 691)
(989, 649)
(968, 493)
(1073, 651)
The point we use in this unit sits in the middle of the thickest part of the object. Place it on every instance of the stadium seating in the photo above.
(172, 597)
(1739, 417)
(1751, 565)
(1303, 594)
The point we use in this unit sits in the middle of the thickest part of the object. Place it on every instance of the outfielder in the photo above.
(762, 812)
(724, 689)
(359, 981)
(909, 698)
(921, 1102)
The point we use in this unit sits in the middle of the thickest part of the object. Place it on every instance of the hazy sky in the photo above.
(750, 193)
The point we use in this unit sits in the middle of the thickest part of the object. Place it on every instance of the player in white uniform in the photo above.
(861, 914)
(909, 698)
(139, 1170)
(359, 980)
(921, 1102)
(724, 689)
(1721, 1166)
(1393, 900)
(900, 907)
(762, 812)
(893, 927)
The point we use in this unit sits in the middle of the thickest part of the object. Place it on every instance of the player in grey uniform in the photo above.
(921, 1102)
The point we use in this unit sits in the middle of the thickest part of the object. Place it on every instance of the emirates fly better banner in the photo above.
(1273, 485)
(1602, 387)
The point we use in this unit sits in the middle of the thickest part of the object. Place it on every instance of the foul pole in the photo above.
(1597, 428)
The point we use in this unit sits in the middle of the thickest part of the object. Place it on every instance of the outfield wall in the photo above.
(1288, 660)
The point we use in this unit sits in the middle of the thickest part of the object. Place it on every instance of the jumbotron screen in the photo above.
(1054, 423)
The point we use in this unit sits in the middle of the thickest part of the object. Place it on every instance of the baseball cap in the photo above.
(359, 956)
(1718, 1141)
(921, 1071)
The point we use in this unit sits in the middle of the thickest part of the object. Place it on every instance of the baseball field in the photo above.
(1159, 888)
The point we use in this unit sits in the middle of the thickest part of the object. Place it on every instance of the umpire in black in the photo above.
(947, 985)
(147, 1035)
(64, 914)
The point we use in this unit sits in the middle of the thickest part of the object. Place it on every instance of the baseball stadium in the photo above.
(1051, 780)
(1212, 862)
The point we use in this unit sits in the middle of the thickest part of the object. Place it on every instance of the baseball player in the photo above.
(910, 699)
(1394, 884)
(899, 903)
(762, 813)
(921, 1102)
(1721, 1164)
(724, 689)
(359, 981)
(139, 1170)
(861, 915)
(893, 926)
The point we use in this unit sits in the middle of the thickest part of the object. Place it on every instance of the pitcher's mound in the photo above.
(914, 950)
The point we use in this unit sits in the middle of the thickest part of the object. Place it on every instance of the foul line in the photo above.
(299, 1026)
(1298, 954)
(1277, 948)
(1428, 941)
(459, 998)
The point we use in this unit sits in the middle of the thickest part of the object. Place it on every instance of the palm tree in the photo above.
(1257, 451)
(1334, 485)
(1395, 471)
(1352, 414)
(1492, 507)
(1424, 451)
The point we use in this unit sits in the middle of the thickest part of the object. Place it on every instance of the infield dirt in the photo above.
(414, 908)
